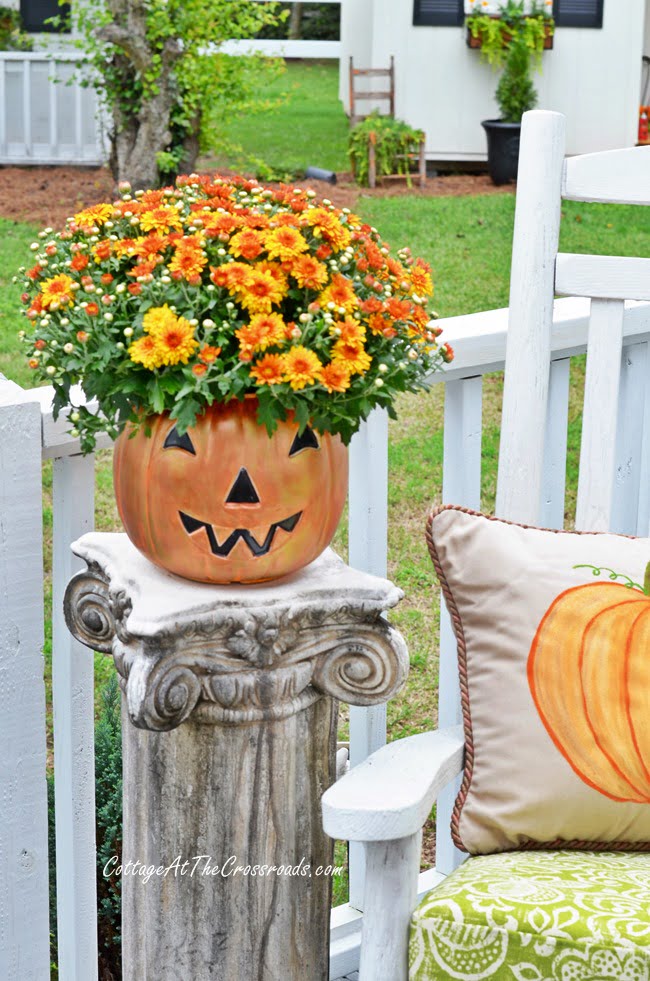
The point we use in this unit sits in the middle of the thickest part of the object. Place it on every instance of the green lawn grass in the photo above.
(307, 128)
(15, 239)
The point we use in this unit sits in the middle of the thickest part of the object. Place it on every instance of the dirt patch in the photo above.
(48, 195)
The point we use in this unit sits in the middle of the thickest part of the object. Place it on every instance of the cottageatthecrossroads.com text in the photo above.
(204, 865)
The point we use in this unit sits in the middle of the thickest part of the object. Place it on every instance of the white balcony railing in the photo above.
(28, 435)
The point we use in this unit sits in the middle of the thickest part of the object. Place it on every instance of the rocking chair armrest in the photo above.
(391, 793)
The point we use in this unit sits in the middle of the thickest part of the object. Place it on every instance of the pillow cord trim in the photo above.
(527, 844)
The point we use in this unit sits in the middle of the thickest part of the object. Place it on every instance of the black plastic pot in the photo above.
(503, 149)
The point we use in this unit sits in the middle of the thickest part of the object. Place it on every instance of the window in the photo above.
(578, 13)
(440, 13)
(34, 13)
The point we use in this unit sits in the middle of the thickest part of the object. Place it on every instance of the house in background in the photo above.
(593, 74)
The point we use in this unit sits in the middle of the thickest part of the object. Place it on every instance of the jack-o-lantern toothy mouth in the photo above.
(192, 525)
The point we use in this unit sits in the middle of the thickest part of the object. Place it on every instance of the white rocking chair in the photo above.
(384, 801)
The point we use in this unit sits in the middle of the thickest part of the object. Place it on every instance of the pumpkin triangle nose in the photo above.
(243, 491)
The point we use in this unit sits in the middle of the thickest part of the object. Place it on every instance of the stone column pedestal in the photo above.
(229, 727)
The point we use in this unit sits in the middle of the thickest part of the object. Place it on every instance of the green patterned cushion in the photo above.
(530, 916)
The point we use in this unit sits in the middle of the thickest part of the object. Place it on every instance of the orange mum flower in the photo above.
(189, 260)
(214, 225)
(377, 324)
(209, 354)
(335, 377)
(234, 276)
(144, 268)
(308, 272)
(373, 305)
(260, 292)
(269, 370)
(350, 331)
(399, 309)
(247, 243)
(340, 292)
(162, 219)
(353, 355)
(199, 369)
(285, 243)
(92, 309)
(56, 290)
(102, 250)
(264, 330)
(79, 262)
(151, 199)
(149, 245)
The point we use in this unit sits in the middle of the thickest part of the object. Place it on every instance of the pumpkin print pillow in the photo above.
(553, 632)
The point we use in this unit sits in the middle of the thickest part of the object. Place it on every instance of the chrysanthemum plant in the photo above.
(218, 289)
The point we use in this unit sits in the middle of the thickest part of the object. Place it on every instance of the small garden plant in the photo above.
(396, 143)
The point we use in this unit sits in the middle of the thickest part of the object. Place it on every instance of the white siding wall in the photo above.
(592, 76)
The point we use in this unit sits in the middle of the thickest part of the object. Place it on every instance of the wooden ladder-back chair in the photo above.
(359, 95)
(384, 801)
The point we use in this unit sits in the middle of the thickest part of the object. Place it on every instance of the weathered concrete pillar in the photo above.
(229, 723)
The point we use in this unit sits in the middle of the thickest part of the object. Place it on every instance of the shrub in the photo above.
(515, 92)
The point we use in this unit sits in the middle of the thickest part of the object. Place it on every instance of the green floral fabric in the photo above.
(536, 916)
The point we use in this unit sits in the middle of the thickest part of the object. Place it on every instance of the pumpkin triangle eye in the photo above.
(183, 442)
(306, 441)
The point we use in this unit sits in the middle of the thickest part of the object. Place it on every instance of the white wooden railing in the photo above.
(28, 435)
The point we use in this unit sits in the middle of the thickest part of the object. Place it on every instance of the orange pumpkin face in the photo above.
(225, 502)
(588, 674)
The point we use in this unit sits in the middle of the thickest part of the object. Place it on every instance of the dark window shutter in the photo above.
(34, 13)
(578, 13)
(440, 13)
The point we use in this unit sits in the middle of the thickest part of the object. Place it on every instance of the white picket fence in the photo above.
(48, 116)
(28, 435)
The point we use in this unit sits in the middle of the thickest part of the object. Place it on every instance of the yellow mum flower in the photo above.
(341, 292)
(173, 336)
(260, 292)
(353, 355)
(285, 243)
(97, 215)
(145, 351)
(327, 224)
(301, 366)
(57, 290)
(161, 219)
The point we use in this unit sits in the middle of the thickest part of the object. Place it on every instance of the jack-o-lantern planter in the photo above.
(588, 674)
(225, 502)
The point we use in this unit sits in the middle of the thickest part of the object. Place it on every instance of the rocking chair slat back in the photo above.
(603, 276)
(614, 475)
(616, 176)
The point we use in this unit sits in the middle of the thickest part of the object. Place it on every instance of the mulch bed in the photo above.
(48, 195)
